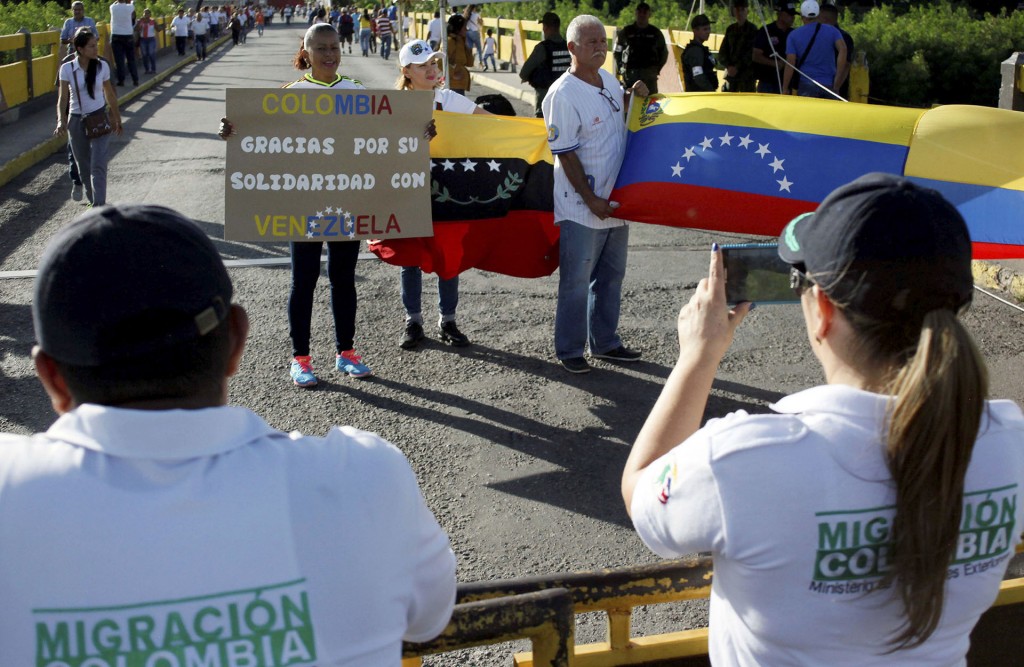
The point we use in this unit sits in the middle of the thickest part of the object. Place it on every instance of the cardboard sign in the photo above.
(327, 165)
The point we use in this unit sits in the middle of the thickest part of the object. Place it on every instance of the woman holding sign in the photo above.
(420, 66)
(321, 54)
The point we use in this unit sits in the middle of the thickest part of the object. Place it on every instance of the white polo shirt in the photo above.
(83, 104)
(796, 509)
(185, 537)
(200, 25)
(452, 101)
(589, 121)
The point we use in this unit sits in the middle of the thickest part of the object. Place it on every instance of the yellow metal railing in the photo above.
(616, 592)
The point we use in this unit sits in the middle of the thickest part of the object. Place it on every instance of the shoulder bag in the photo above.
(97, 123)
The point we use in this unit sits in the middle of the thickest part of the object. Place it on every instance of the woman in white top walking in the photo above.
(86, 79)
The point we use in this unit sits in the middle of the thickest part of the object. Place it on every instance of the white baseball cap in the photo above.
(417, 52)
(809, 9)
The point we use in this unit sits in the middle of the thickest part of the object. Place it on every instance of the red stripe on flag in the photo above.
(523, 244)
(700, 207)
(997, 251)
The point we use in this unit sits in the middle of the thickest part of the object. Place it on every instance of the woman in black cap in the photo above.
(871, 520)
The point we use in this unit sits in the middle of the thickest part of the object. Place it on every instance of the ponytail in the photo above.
(938, 383)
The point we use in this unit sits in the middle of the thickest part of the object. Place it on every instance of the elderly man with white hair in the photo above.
(584, 112)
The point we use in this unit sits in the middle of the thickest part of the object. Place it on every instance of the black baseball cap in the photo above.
(884, 247)
(788, 7)
(121, 282)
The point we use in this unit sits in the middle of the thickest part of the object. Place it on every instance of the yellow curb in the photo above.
(993, 276)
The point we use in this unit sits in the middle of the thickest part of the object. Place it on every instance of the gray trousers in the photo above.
(91, 157)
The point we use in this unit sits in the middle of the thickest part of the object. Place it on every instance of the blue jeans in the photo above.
(412, 290)
(490, 58)
(148, 46)
(91, 157)
(385, 47)
(341, 271)
(592, 263)
(473, 39)
(364, 40)
(200, 42)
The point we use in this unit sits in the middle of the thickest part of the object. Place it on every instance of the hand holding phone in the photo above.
(756, 273)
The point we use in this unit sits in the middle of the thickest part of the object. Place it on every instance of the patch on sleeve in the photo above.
(664, 482)
(552, 132)
(698, 70)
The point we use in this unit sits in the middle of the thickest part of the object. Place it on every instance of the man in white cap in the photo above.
(818, 51)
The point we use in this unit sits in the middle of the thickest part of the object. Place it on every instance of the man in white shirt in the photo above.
(435, 30)
(180, 26)
(156, 524)
(584, 113)
(122, 40)
(200, 29)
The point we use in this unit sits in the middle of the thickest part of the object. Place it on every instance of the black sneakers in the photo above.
(451, 335)
(575, 365)
(412, 336)
(621, 353)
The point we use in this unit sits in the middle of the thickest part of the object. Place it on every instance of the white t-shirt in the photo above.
(473, 23)
(206, 534)
(180, 26)
(70, 71)
(796, 509)
(121, 18)
(588, 120)
(452, 101)
(200, 26)
(489, 46)
(339, 82)
(434, 30)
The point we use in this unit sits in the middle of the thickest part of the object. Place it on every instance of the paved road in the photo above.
(519, 460)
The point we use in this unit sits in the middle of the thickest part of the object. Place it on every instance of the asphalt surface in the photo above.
(519, 460)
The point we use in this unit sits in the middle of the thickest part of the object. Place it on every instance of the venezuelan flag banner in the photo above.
(974, 156)
(749, 163)
(492, 180)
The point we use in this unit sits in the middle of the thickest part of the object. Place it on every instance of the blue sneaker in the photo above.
(351, 363)
(302, 372)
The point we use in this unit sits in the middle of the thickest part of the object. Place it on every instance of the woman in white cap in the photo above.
(421, 70)
(871, 520)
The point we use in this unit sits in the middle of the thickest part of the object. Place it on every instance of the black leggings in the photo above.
(341, 271)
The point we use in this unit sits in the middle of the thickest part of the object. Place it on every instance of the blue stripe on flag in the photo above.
(993, 215)
(774, 163)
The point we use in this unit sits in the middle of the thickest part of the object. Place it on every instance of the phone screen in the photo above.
(755, 272)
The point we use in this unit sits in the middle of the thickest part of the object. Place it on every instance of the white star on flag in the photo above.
(309, 235)
(313, 224)
(776, 165)
(706, 143)
(726, 139)
(434, 163)
(784, 184)
(448, 165)
(494, 166)
(745, 141)
(688, 154)
(677, 169)
(468, 165)
(329, 210)
(319, 214)
(762, 150)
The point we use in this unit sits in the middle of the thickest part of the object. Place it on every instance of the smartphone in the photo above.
(755, 272)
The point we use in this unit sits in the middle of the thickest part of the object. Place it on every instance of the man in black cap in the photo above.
(548, 61)
(769, 52)
(640, 51)
(698, 64)
(151, 506)
(737, 51)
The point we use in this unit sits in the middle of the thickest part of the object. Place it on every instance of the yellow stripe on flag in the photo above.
(969, 144)
(477, 135)
(888, 125)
